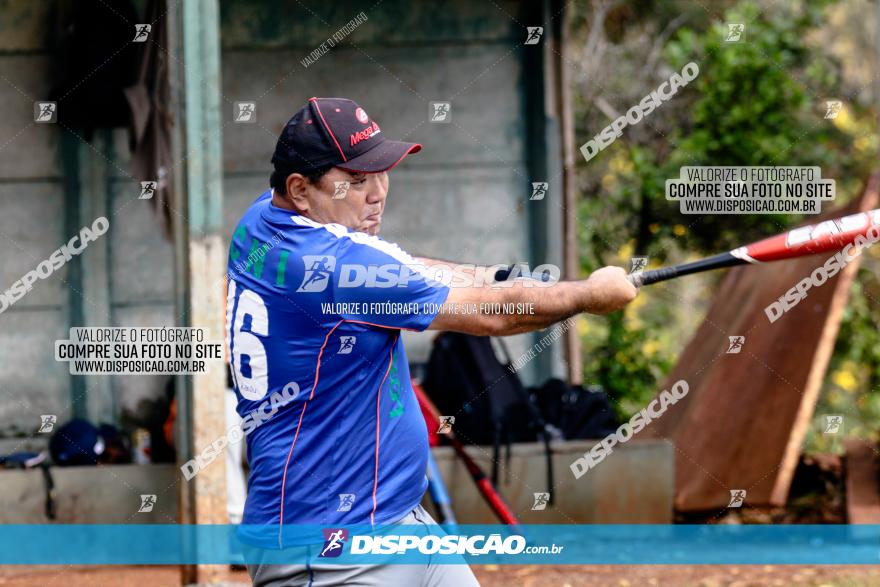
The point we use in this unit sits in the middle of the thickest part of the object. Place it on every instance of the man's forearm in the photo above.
(523, 305)
(535, 307)
(468, 269)
(512, 307)
(519, 305)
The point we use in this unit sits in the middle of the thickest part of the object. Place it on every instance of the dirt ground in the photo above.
(495, 576)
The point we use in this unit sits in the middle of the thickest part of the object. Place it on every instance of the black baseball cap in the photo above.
(336, 132)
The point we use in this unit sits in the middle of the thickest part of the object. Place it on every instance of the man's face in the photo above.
(354, 200)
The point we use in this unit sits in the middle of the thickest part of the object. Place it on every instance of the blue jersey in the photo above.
(313, 316)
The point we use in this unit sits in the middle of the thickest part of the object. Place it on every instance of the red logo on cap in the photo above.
(363, 135)
(361, 115)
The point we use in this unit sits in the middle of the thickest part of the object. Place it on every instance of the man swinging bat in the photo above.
(355, 428)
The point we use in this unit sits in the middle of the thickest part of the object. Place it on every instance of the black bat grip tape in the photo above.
(653, 276)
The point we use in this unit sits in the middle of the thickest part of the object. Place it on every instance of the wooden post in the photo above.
(200, 254)
(862, 497)
(571, 269)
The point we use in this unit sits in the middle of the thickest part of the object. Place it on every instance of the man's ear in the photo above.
(296, 191)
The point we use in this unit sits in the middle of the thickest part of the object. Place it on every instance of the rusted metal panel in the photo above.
(742, 424)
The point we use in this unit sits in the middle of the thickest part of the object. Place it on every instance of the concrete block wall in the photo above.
(463, 197)
(32, 218)
(634, 485)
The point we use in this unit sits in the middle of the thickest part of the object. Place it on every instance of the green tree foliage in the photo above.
(760, 101)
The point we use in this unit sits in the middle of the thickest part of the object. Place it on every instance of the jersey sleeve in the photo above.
(378, 283)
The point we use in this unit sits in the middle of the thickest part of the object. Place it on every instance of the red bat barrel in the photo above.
(829, 235)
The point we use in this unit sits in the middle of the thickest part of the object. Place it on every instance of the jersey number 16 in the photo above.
(250, 369)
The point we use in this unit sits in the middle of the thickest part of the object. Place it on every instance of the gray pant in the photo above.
(309, 575)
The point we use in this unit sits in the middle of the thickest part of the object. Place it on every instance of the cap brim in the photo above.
(380, 158)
